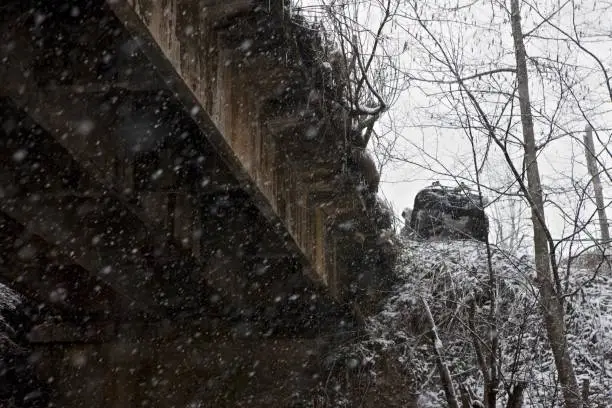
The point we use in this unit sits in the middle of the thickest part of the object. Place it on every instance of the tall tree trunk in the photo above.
(443, 371)
(599, 200)
(550, 301)
(515, 399)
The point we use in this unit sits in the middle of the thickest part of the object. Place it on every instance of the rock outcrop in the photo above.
(448, 213)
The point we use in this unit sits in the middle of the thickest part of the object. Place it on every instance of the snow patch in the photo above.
(453, 277)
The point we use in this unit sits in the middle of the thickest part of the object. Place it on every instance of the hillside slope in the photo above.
(396, 357)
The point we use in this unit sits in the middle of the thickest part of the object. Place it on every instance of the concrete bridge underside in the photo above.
(161, 207)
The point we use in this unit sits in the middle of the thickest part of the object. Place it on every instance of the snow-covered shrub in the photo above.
(18, 385)
(453, 278)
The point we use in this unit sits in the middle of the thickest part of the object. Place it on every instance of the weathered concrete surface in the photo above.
(226, 76)
(159, 367)
(158, 163)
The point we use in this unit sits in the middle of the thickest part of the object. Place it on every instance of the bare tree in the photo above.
(551, 301)
(599, 200)
(437, 347)
(494, 107)
(359, 59)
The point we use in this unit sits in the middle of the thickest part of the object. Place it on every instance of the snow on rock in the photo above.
(451, 213)
(9, 300)
(453, 278)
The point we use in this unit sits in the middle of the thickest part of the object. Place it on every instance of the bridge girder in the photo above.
(154, 159)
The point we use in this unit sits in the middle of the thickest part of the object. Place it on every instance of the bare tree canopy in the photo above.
(494, 95)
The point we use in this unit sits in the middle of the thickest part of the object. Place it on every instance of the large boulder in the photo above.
(448, 213)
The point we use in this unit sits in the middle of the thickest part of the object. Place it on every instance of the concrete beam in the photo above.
(104, 87)
(211, 329)
(59, 223)
(74, 115)
(185, 371)
(113, 177)
(214, 84)
(42, 273)
(162, 48)
(62, 289)
(42, 208)
(295, 123)
(93, 332)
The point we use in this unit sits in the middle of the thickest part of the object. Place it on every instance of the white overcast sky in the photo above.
(426, 140)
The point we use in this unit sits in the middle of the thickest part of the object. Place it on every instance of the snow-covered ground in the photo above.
(453, 278)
